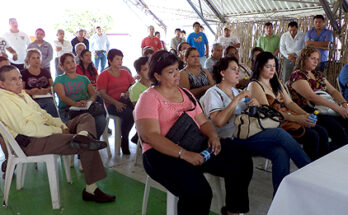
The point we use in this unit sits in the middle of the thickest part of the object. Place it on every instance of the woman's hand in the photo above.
(120, 106)
(215, 145)
(303, 120)
(343, 111)
(243, 94)
(253, 102)
(81, 103)
(192, 157)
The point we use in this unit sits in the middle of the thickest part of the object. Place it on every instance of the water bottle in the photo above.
(313, 117)
(246, 100)
(207, 154)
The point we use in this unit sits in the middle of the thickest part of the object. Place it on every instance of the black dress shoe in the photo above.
(98, 196)
(87, 142)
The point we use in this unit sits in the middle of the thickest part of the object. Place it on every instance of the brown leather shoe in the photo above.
(87, 142)
(98, 196)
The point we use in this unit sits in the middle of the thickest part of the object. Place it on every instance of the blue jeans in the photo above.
(277, 145)
(100, 59)
(48, 105)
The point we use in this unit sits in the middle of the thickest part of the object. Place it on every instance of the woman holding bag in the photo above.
(180, 170)
(267, 89)
(303, 84)
(223, 102)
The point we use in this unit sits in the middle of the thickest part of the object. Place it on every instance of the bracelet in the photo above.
(342, 103)
(180, 152)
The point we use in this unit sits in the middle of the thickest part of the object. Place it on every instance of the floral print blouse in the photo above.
(316, 84)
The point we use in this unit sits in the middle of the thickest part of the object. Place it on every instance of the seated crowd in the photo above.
(213, 91)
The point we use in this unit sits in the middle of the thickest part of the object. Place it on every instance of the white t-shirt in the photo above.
(215, 99)
(19, 42)
(225, 41)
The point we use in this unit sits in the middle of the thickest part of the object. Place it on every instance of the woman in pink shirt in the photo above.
(180, 170)
(113, 84)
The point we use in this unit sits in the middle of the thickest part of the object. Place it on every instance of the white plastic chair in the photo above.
(117, 129)
(139, 143)
(16, 156)
(172, 200)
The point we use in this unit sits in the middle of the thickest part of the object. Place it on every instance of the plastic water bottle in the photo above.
(207, 154)
(313, 117)
(246, 100)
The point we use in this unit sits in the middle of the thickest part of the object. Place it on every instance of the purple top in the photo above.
(36, 81)
(324, 35)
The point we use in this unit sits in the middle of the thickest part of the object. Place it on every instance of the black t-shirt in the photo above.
(76, 41)
(36, 81)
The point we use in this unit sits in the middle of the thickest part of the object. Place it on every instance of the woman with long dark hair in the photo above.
(268, 90)
(86, 67)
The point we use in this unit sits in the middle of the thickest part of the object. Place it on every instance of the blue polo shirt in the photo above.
(324, 35)
(343, 79)
(198, 41)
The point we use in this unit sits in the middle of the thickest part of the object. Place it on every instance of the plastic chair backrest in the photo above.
(11, 144)
(339, 85)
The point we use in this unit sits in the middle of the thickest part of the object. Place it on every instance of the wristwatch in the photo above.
(180, 152)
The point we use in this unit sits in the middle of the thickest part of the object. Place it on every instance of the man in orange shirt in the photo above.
(151, 40)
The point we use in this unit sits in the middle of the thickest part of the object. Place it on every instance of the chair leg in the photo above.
(21, 169)
(266, 164)
(52, 172)
(8, 179)
(136, 152)
(117, 123)
(220, 196)
(172, 204)
(66, 161)
(106, 138)
(146, 194)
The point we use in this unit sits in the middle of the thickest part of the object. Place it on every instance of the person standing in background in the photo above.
(227, 39)
(199, 41)
(319, 37)
(44, 47)
(62, 46)
(177, 39)
(158, 35)
(79, 39)
(151, 40)
(100, 45)
(5, 46)
(19, 41)
(269, 42)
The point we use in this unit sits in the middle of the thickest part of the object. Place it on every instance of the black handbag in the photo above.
(186, 133)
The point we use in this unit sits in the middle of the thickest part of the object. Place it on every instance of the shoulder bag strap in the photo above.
(191, 98)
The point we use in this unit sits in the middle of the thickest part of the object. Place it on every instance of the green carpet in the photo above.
(34, 198)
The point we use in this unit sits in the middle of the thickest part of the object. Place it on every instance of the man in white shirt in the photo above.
(291, 43)
(227, 39)
(61, 46)
(100, 45)
(19, 41)
(5, 46)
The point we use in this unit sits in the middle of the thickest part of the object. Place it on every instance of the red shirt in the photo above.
(154, 42)
(92, 79)
(114, 86)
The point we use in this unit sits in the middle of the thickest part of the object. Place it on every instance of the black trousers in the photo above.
(127, 118)
(315, 142)
(337, 127)
(186, 181)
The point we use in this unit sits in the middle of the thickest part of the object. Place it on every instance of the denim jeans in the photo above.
(100, 59)
(48, 105)
(277, 145)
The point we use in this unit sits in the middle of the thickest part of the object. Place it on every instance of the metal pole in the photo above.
(200, 16)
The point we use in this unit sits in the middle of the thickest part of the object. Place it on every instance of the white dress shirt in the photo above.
(100, 43)
(19, 42)
(66, 47)
(291, 45)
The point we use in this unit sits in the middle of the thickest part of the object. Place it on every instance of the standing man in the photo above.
(177, 39)
(19, 41)
(216, 55)
(158, 35)
(227, 39)
(320, 37)
(79, 39)
(291, 43)
(152, 41)
(198, 40)
(62, 46)
(45, 48)
(183, 35)
(100, 45)
(5, 46)
(269, 42)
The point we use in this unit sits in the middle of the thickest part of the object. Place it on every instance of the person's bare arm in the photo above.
(275, 53)
(318, 44)
(119, 105)
(91, 92)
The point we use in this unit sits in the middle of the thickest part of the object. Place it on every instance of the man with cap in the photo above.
(227, 39)
(45, 48)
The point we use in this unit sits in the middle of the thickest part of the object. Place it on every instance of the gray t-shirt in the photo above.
(215, 100)
(209, 64)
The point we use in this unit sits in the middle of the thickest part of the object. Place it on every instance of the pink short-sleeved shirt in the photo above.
(152, 105)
